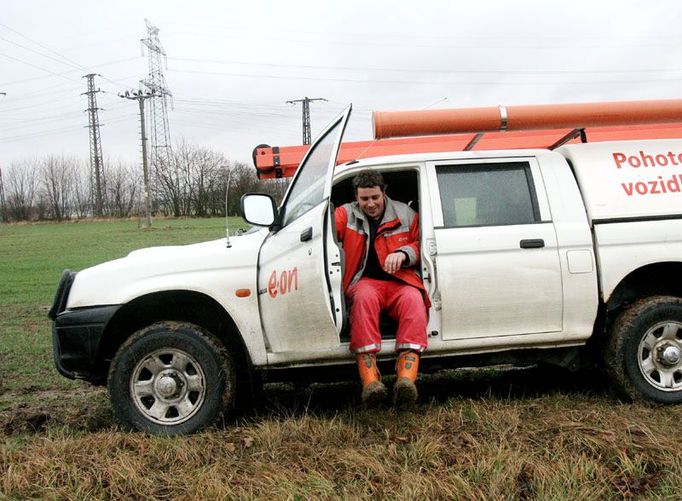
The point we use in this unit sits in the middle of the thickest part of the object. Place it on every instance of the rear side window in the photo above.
(487, 194)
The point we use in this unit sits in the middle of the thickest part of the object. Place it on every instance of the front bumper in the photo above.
(76, 334)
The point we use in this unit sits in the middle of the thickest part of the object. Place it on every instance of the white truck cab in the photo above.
(566, 256)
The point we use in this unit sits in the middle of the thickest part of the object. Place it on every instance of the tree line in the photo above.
(59, 188)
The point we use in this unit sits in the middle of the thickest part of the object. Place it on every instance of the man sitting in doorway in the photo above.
(380, 239)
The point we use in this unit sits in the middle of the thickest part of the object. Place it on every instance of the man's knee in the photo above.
(415, 296)
(410, 298)
(364, 294)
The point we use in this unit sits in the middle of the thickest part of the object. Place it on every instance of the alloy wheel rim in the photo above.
(659, 356)
(168, 386)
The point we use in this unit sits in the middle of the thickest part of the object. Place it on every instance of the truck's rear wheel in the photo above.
(644, 353)
(171, 378)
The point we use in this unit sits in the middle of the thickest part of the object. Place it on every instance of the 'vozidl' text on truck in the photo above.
(566, 253)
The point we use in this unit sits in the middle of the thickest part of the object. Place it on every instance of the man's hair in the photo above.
(368, 178)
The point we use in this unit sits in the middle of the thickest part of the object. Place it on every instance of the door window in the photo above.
(307, 189)
(487, 194)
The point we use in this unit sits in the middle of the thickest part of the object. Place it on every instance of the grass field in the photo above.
(522, 434)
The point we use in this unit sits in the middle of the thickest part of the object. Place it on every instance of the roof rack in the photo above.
(519, 127)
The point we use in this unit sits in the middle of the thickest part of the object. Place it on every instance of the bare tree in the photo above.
(20, 190)
(184, 158)
(207, 180)
(57, 181)
(216, 194)
(122, 190)
(243, 180)
(60, 187)
(168, 191)
(81, 192)
(202, 180)
(277, 188)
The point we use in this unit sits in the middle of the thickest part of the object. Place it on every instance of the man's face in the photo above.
(371, 201)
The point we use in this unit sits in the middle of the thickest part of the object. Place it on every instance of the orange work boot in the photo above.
(404, 391)
(373, 390)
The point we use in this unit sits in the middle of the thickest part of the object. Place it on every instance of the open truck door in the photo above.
(299, 265)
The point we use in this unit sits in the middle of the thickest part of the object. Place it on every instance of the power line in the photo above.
(44, 118)
(56, 131)
(38, 94)
(431, 82)
(48, 132)
(497, 43)
(60, 61)
(461, 43)
(66, 59)
(428, 70)
(30, 124)
(38, 67)
(359, 37)
(99, 65)
(63, 59)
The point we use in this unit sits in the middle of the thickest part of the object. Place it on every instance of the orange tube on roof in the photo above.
(534, 117)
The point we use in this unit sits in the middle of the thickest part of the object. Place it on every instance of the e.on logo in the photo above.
(282, 282)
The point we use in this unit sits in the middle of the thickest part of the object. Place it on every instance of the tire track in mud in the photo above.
(32, 410)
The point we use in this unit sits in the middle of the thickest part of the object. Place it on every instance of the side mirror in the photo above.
(258, 209)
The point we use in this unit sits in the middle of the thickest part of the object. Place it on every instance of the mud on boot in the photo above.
(374, 394)
(405, 391)
(373, 390)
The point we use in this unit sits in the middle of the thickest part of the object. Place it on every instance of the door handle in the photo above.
(532, 243)
(307, 234)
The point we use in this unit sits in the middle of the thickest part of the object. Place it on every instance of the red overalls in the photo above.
(404, 298)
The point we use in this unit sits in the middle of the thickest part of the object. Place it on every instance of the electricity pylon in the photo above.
(158, 107)
(96, 163)
(306, 115)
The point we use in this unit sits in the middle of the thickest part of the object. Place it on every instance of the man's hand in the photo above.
(394, 262)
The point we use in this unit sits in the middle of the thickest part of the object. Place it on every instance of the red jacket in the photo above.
(398, 230)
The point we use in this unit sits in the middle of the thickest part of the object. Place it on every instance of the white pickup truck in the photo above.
(562, 256)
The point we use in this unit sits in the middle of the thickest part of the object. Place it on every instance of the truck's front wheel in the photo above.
(644, 353)
(171, 378)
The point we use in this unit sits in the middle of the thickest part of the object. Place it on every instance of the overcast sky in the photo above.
(232, 65)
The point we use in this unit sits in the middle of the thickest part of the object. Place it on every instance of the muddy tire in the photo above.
(644, 351)
(171, 378)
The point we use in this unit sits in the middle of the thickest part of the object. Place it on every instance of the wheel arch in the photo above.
(176, 305)
(663, 278)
